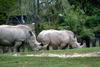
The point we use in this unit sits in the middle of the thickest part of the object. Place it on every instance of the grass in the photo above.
(70, 51)
(66, 51)
(9, 61)
(6, 60)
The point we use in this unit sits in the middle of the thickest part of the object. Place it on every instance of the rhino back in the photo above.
(59, 37)
(53, 36)
(11, 34)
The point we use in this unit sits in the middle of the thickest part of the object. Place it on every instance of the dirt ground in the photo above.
(93, 54)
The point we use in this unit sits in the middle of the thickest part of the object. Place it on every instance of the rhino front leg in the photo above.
(17, 46)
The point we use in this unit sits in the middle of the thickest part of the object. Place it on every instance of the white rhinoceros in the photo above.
(58, 39)
(15, 36)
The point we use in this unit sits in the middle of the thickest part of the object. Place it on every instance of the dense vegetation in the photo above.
(80, 16)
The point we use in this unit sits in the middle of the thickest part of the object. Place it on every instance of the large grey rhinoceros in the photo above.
(58, 39)
(15, 36)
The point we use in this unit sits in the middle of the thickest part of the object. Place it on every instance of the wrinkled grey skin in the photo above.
(16, 36)
(31, 40)
(57, 39)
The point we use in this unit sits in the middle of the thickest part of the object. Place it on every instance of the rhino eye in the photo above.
(30, 32)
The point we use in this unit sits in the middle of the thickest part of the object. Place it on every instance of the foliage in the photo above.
(6, 8)
(97, 28)
(75, 18)
(87, 33)
(89, 6)
(7, 5)
(80, 16)
(92, 21)
(47, 25)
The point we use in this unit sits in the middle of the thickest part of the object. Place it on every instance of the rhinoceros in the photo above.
(15, 36)
(58, 39)
(31, 40)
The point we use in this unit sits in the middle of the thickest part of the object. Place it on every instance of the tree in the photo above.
(6, 8)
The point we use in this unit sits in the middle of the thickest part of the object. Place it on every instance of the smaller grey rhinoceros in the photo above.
(58, 39)
(16, 36)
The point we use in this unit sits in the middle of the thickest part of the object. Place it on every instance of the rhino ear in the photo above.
(30, 32)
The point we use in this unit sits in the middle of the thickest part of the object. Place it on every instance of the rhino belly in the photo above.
(5, 42)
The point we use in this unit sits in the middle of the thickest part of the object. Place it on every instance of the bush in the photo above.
(92, 21)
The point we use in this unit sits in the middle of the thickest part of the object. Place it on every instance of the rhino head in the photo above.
(75, 44)
(78, 45)
(34, 44)
(81, 46)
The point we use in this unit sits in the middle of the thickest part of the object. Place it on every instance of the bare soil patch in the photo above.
(92, 54)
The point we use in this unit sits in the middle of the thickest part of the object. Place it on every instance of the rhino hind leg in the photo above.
(70, 46)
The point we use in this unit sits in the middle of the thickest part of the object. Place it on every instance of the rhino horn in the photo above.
(82, 46)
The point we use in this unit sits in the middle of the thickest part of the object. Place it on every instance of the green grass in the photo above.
(9, 61)
(81, 50)
(6, 60)
(66, 51)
